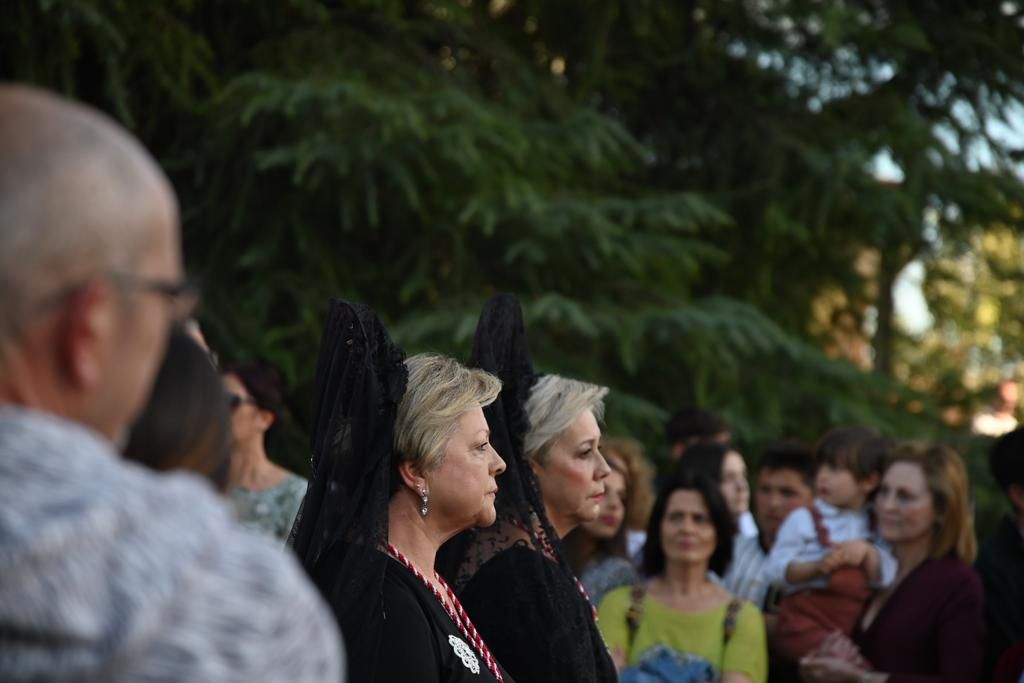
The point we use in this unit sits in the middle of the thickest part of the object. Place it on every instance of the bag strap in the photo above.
(732, 613)
(635, 612)
(819, 526)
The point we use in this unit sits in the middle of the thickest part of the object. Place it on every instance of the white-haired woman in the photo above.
(562, 448)
(533, 612)
(514, 577)
(421, 469)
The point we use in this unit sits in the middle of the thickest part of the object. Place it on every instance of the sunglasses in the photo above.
(234, 400)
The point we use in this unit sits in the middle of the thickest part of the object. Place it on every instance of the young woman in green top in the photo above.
(679, 612)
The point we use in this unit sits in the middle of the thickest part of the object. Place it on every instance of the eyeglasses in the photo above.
(235, 400)
(183, 295)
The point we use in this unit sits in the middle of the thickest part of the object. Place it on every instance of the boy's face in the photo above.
(839, 488)
(779, 492)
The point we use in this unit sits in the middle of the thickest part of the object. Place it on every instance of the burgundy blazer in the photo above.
(931, 629)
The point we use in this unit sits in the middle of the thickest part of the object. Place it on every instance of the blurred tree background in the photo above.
(698, 202)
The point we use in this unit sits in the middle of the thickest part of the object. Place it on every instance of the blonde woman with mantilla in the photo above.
(402, 462)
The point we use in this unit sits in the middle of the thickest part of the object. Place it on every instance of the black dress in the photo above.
(535, 620)
(1001, 568)
(420, 641)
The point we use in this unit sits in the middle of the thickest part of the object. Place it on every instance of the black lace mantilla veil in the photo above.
(360, 379)
(513, 577)
(500, 347)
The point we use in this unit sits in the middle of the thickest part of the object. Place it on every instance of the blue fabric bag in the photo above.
(662, 664)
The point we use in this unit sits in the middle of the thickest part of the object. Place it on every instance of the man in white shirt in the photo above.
(784, 482)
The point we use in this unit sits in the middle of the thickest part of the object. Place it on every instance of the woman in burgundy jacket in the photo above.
(929, 625)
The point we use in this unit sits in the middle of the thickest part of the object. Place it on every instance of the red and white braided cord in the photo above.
(454, 610)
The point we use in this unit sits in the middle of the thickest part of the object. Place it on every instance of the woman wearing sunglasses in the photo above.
(266, 496)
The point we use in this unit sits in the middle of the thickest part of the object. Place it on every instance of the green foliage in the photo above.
(671, 188)
(972, 286)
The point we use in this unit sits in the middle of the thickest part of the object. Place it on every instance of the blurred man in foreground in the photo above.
(109, 572)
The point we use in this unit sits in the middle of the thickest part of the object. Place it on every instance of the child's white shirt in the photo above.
(797, 541)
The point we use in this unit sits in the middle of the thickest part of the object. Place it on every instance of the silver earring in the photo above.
(425, 508)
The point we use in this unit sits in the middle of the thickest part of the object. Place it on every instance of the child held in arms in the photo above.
(826, 557)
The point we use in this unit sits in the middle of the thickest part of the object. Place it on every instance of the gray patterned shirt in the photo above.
(109, 572)
(271, 511)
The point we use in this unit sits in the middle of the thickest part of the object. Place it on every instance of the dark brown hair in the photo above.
(861, 450)
(262, 381)
(186, 424)
(718, 511)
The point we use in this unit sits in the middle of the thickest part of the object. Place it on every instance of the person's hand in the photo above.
(618, 657)
(850, 553)
(821, 669)
(838, 645)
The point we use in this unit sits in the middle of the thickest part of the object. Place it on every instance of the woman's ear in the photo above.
(411, 475)
(267, 418)
(534, 466)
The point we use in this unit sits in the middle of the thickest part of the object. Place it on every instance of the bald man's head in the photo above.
(77, 195)
(88, 223)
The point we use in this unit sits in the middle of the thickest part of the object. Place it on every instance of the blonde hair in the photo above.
(948, 484)
(439, 391)
(639, 477)
(554, 403)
